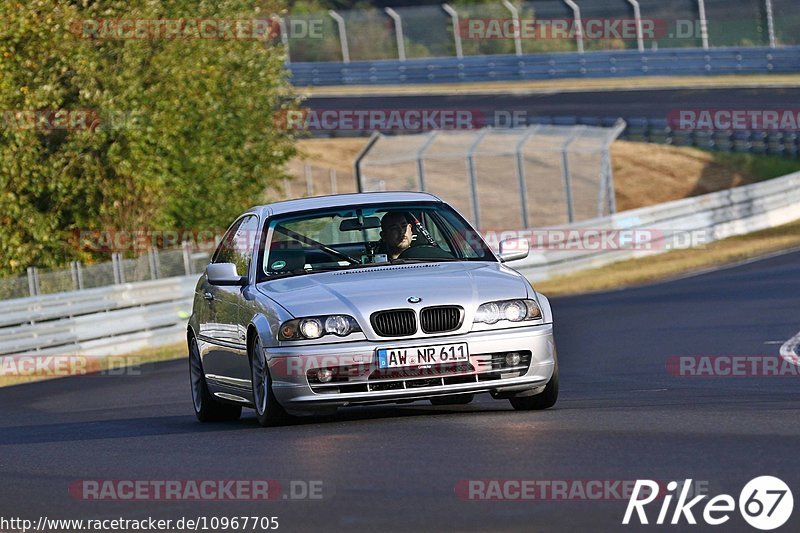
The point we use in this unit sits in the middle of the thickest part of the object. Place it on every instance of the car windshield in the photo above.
(368, 235)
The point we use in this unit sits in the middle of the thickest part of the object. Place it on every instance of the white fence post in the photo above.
(79, 273)
(309, 180)
(421, 161)
(33, 281)
(771, 24)
(701, 7)
(456, 29)
(607, 171)
(566, 172)
(473, 178)
(637, 18)
(523, 185)
(517, 26)
(342, 35)
(398, 32)
(187, 258)
(334, 184)
(151, 262)
(576, 11)
(116, 266)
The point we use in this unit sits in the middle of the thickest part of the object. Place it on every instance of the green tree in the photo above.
(186, 136)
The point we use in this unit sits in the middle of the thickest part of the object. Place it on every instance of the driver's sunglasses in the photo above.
(397, 227)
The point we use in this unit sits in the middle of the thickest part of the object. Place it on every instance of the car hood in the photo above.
(360, 292)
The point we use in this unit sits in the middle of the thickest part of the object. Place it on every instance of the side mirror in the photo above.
(224, 274)
(514, 249)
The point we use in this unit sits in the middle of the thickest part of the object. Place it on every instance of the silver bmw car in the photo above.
(313, 304)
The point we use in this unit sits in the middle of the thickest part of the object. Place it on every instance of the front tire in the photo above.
(544, 400)
(206, 408)
(268, 411)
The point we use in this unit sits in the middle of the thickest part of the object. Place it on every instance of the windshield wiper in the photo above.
(423, 260)
(303, 272)
(311, 242)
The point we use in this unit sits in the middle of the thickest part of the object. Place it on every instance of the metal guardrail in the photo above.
(713, 216)
(601, 64)
(102, 321)
(122, 318)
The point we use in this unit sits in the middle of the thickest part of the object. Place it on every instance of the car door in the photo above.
(220, 330)
(237, 362)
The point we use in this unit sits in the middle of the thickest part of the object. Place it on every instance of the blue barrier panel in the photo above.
(677, 61)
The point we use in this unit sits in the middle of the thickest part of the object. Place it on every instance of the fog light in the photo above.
(324, 375)
(512, 359)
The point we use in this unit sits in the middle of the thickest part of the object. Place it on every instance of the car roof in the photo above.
(341, 200)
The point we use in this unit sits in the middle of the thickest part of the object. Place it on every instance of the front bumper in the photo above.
(289, 369)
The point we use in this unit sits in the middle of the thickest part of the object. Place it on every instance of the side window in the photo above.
(224, 253)
(238, 244)
(432, 226)
(468, 245)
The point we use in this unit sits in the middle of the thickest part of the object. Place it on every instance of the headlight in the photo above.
(514, 311)
(488, 313)
(338, 325)
(316, 327)
(311, 328)
(511, 310)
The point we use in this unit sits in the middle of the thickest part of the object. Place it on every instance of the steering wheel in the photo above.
(424, 251)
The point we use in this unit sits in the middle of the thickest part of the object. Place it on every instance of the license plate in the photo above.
(423, 355)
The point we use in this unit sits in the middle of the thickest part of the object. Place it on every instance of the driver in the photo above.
(396, 234)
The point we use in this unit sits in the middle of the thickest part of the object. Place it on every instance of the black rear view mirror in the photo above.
(353, 224)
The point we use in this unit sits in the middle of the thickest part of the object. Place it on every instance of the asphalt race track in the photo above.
(620, 416)
(650, 103)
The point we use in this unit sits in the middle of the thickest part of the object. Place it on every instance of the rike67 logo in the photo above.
(765, 503)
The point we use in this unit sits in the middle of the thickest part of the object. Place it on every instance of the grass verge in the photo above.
(675, 263)
(761, 167)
